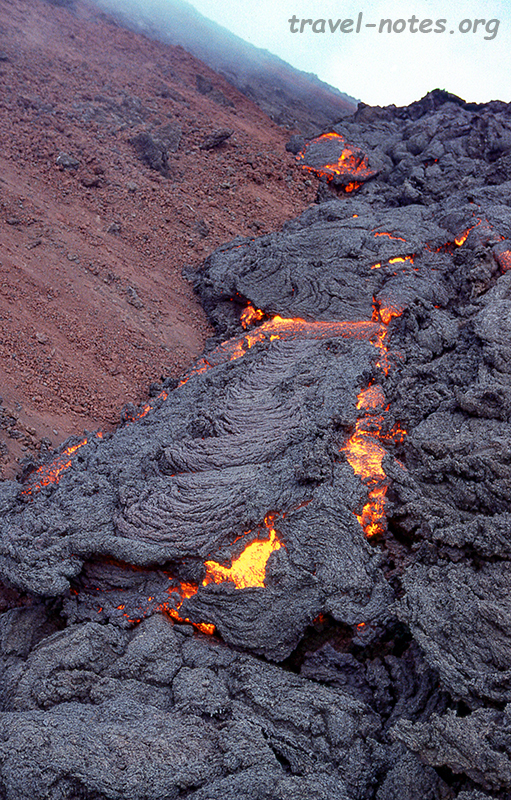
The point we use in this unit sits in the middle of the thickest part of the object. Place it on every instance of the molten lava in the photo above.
(51, 473)
(504, 260)
(363, 449)
(352, 187)
(401, 260)
(284, 328)
(372, 397)
(184, 590)
(389, 311)
(373, 517)
(350, 162)
(363, 452)
(251, 315)
(391, 236)
(249, 569)
(396, 260)
(48, 474)
(459, 240)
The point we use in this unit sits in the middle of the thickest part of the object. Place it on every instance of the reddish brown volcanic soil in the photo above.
(93, 307)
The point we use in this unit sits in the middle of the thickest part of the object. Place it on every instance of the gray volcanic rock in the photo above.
(152, 152)
(322, 265)
(266, 412)
(460, 618)
(157, 708)
(397, 356)
(477, 745)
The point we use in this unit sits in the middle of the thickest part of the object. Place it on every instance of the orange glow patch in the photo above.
(397, 434)
(460, 240)
(249, 569)
(372, 397)
(401, 260)
(390, 235)
(363, 450)
(390, 311)
(504, 260)
(350, 162)
(373, 518)
(364, 454)
(250, 316)
(285, 328)
(51, 473)
(184, 590)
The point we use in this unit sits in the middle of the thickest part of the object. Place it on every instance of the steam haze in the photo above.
(379, 69)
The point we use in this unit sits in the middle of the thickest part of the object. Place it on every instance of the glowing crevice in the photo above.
(351, 161)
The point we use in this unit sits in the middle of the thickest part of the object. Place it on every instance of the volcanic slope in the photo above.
(117, 171)
(289, 96)
(327, 489)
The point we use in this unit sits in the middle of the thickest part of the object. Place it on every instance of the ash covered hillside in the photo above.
(289, 96)
(289, 576)
(117, 171)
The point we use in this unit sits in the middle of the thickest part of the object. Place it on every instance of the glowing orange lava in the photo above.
(249, 569)
(184, 590)
(389, 311)
(350, 161)
(504, 260)
(48, 474)
(396, 260)
(51, 473)
(372, 397)
(401, 259)
(373, 517)
(363, 449)
(284, 328)
(364, 453)
(391, 236)
(352, 187)
(460, 240)
(251, 315)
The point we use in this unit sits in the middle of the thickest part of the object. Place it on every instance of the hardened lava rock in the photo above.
(345, 667)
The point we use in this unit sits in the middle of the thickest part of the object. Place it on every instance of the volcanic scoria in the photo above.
(288, 576)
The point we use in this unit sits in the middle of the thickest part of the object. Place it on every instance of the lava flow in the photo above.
(365, 455)
(350, 162)
(363, 449)
(278, 327)
(48, 474)
(247, 571)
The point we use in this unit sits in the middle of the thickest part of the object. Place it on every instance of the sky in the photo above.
(383, 68)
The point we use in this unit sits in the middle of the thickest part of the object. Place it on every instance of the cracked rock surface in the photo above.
(356, 668)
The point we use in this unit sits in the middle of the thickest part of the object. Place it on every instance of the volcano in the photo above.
(287, 574)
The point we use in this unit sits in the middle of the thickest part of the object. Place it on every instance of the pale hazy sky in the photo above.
(382, 68)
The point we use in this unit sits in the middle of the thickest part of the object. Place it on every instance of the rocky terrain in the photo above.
(290, 97)
(289, 576)
(123, 161)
